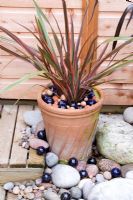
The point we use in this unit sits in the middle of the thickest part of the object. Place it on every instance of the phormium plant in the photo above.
(67, 72)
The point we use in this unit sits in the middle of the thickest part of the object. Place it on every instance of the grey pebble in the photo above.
(48, 170)
(8, 186)
(76, 193)
(100, 178)
(49, 195)
(38, 181)
(51, 159)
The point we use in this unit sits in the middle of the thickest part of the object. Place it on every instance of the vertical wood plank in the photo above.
(19, 154)
(2, 194)
(7, 125)
(11, 196)
(89, 27)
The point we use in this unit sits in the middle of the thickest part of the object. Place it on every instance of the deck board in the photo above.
(16, 163)
(19, 154)
(7, 125)
(2, 194)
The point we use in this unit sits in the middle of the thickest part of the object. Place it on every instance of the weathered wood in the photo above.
(7, 125)
(11, 196)
(19, 154)
(110, 13)
(105, 5)
(29, 90)
(108, 23)
(115, 6)
(19, 174)
(113, 109)
(2, 194)
(34, 160)
(90, 26)
(42, 3)
(9, 15)
(118, 94)
(115, 94)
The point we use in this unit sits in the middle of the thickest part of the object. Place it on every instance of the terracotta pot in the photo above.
(70, 132)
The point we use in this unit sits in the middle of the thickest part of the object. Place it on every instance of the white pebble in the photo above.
(82, 182)
(19, 197)
(30, 196)
(129, 175)
(51, 159)
(16, 190)
(49, 92)
(100, 178)
(83, 103)
(107, 175)
(28, 189)
(63, 97)
(38, 181)
(22, 187)
(48, 170)
(8, 186)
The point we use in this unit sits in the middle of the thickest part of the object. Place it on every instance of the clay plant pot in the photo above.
(70, 132)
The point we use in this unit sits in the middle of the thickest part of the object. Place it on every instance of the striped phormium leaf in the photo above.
(61, 62)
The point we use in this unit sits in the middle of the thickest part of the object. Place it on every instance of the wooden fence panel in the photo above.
(23, 12)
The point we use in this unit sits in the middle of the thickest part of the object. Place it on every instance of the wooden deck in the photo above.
(16, 163)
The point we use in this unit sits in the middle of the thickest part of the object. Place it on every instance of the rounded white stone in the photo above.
(116, 189)
(51, 195)
(16, 190)
(87, 188)
(8, 186)
(107, 175)
(128, 115)
(33, 117)
(114, 141)
(64, 176)
(129, 175)
(82, 182)
(51, 159)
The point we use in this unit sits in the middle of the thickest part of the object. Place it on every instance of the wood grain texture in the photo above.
(19, 174)
(105, 5)
(11, 196)
(42, 3)
(2, 194)
(7, 125)
(34, 160)
(109, 15)
(19, 154)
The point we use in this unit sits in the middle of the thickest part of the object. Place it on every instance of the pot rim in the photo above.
(71, 112)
